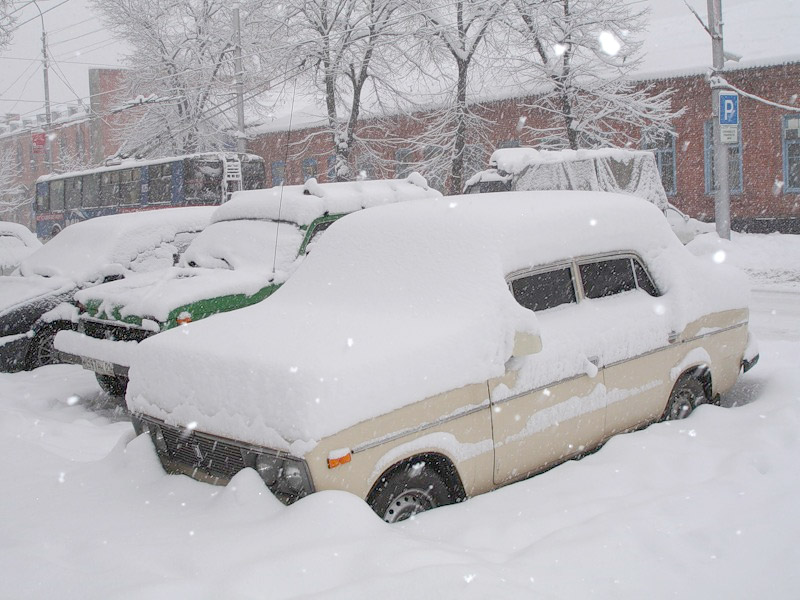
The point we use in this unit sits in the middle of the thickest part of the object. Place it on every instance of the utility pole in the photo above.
(722, 202)
(48, 120)
(240, 139)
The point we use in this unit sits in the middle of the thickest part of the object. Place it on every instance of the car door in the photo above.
(619, 288)
(549, 406)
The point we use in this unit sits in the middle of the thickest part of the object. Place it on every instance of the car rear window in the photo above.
(547, 289)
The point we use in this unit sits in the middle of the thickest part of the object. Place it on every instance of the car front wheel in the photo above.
(41, 351)
(409, 490)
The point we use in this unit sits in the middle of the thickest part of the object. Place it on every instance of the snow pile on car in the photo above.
(608, 169)
(89, 250)
(302, 204)
(16, 242)
(403, 302)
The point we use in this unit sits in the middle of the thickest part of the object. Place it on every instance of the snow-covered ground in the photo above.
(703, 508)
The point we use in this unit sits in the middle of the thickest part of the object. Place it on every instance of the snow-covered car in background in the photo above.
(254, 243)
(430, 351)
(16, 242)
(633, 172)
(37, 301)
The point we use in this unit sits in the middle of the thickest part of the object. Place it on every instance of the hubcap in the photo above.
(682, 406)
(408, 504)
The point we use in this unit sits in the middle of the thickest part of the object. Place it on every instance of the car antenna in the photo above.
(283, 183)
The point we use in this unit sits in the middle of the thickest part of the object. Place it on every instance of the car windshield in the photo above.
(245, 244)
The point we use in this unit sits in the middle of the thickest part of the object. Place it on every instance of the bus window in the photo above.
(91, 192)
(57, 194)
(42, 197)
(203, 181)
(160, 183)
(130, 188)
(253, 175)
(72, 192)
(110, 188)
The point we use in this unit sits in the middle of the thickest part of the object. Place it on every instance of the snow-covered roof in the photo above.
(91, 249)
(302, 204)
(406, 301)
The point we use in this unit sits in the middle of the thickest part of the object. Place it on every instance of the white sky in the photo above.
(761, 30)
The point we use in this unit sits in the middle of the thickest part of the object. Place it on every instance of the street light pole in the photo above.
(722, 203)
(240, 139)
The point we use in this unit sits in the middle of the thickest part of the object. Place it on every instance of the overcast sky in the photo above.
(761, 30)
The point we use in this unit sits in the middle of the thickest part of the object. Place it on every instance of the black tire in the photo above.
(41, 351)
(113, 385)
(687, 395)
(408, 490)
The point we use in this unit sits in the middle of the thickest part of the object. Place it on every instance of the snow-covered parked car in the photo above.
(633, 172)
(430, 351)
(37, 301)
(254, 243)
(16, 242)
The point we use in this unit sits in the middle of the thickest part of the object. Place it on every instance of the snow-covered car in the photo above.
(16, 242)
(254, 243)
(430, 351)
(633, 172)
(37, 301)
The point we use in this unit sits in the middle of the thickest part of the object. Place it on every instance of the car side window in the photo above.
(319, 228)
(607, 277)
(547, 289)
(643, 279)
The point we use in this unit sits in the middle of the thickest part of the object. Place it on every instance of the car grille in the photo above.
(200, 451)
(110, 331)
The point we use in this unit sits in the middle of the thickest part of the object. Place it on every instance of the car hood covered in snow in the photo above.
(402, 302)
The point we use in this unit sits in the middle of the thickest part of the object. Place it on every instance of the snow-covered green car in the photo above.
(254, 243)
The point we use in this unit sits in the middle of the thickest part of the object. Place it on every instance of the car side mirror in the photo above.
(526, 344)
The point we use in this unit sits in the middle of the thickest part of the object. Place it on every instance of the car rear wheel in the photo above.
(687, 394)
(41, 351)
(112, 385)
(409, 490)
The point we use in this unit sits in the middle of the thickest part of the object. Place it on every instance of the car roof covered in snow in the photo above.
(400, 303)
(91, 249)
(301, 204)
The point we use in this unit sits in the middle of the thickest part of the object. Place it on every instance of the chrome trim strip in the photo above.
(375, 442)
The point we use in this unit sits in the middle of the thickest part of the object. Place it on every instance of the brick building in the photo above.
(764, 166)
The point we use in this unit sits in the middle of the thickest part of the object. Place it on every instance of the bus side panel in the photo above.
(178, 187)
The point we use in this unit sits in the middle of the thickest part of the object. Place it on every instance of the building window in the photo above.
(79, 143)
(364, 168)
(309, 169)
(278, 172)
(791, 153)
(664, 150)
(332, 167)
(734, 162)
(435, 166)
(403, 162)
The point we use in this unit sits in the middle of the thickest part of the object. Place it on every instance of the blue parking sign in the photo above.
(728, 108)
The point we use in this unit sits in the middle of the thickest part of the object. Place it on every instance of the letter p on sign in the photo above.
(728, 108)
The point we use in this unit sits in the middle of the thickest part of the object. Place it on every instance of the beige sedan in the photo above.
(436, 350)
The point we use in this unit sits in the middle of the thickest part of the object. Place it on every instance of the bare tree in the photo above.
(453, 34)
(180, 83)
(7, 22)
(344, 48)
(13, 194)
(584, 54)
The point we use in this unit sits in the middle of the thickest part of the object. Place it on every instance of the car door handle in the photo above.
(673, 337)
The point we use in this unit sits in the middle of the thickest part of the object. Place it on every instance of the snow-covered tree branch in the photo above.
(182, 52)
(7, 22)
(13, 195)
(347, 44)
(582, 55)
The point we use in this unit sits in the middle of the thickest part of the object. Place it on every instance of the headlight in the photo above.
(285, 476)
(159, 441)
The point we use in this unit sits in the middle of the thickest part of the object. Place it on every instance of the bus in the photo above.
(193, 180)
